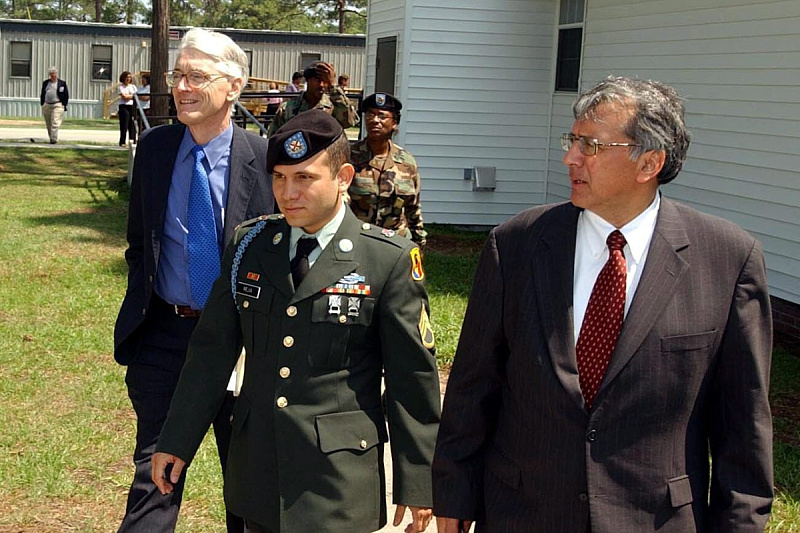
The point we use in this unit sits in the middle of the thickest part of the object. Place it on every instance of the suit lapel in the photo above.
(243, 177)
(553, 276)
(160, 180)
(333, 264)
(662, 273)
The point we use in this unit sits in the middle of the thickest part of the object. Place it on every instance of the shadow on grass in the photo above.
(61, 163)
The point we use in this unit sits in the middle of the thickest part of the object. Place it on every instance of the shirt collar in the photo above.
(637, 232)
(324, 236)
(214, 149)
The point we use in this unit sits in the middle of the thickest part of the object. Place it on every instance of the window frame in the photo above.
(95, 61)
(12, 61)
(562, 30)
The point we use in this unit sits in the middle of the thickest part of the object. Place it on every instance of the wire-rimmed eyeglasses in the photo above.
(194, 78)
(586, 145)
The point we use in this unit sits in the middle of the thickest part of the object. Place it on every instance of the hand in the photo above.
(452, 525)
(158, 464)
(420, 518)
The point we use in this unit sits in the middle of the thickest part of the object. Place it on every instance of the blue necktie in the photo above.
(202, 239)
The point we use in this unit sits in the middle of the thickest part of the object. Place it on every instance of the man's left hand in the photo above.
(420, 516)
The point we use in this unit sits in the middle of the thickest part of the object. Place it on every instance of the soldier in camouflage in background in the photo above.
(385, 189)
(321, 93)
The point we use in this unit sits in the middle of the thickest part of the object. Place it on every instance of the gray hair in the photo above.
(657, 118)
(229, 58)
(52, 69)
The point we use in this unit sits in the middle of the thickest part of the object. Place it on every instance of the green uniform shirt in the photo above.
(306, 453)
(335, 104)
(385, 191)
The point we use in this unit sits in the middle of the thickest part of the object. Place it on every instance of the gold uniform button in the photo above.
(291, 310)
(342, 319)
(246, 304)
(284, 372)
(231, 419)
(282, 402)
(288, 341)
(363, 444)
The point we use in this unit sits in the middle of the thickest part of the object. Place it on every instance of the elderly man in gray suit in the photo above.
(613, 347)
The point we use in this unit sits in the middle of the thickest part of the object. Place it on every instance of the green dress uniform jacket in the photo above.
(306, 453)
(335, 103)
(385, 192)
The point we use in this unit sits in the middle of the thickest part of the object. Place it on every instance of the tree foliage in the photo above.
(335, 16)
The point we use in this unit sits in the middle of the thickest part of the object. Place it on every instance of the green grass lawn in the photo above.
(68, 123)
(68, 425)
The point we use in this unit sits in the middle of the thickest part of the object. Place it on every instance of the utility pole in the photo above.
(159, 55)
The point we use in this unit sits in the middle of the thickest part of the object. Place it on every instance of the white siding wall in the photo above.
(738, 64)
(459, 51)
(386, 19)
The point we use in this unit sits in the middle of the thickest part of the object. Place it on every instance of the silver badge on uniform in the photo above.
(353, 306)
(277, 238)
(334, 304)
(346, 245)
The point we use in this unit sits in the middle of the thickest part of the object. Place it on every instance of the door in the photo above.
(385, 63)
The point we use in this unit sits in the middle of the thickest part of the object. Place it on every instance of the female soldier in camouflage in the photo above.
(385, 189)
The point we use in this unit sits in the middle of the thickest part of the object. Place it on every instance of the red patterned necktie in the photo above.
(603, 320)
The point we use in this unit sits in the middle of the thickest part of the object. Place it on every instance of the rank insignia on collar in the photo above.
(253, 276)
(425, 329)
(417, 274)
(296, 146)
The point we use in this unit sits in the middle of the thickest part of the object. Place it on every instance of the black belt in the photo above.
(183, 311)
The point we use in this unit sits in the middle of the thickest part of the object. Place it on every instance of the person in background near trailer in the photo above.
(126, 89)
(143, 93)
(273, 103)
(320, 93)
(385, 189)
(297, 83)
(193, 183)
(344, 82)
(53, 99)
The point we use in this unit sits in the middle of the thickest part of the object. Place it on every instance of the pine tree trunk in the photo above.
(159, 56)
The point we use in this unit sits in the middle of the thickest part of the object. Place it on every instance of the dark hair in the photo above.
(145, 77)
(297, 75)
(657, 118)
(338, 153)
(343, 77)
(124, 75)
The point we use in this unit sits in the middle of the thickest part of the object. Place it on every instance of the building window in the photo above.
(570, 40)
(101, 62)
(20, 60)
(249, 54)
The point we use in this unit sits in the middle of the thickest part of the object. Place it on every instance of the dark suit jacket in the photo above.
(249, 195)
(517, 448)
(61, 90)
(306, 453)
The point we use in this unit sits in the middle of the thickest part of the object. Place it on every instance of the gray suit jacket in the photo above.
(688, 380)
(249, 195)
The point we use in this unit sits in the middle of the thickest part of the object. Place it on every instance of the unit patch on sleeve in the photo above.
(417, 274)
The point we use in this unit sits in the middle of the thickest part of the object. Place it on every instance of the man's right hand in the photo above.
(158, 463)
(452, 525)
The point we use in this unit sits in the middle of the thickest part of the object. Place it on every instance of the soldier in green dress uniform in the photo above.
(323, 304)
(385, 189)
(321, 93)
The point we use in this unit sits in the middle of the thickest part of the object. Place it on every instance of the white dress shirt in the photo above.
(591, 254)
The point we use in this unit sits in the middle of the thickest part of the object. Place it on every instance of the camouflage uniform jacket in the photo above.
(387, 195)
(335, 104)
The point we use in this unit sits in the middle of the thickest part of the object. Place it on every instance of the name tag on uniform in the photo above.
(245, 289)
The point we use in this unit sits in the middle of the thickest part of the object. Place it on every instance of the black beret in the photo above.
(303, 137)
(381, 101)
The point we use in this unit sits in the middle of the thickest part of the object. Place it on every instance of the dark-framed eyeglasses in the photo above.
(586, 145)
(380, 115)
(194, 78)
